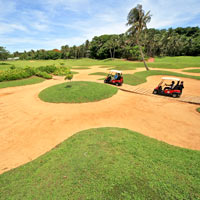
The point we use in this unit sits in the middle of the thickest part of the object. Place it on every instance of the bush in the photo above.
(19, 73)
(43, 75)
(69, 76)
(4, 63)
(44, 71)
(12, 67)
(30, 70)
(14, 74)
(61, 71)
(48, 69)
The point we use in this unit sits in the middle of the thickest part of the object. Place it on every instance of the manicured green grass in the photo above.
(99, 73)
(179, 59)
(4, 67)
(192, 70)
(27, 81)
(140, 77)
(198, 110)
(77, 92)
(165, 62)
(73, 72)
(107, 163)
(80, 68)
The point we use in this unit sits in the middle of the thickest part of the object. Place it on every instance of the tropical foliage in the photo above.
(16, 73)
(154, 42)
(136, 44)
(138, 20)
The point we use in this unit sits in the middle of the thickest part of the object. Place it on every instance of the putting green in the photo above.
(77, 92)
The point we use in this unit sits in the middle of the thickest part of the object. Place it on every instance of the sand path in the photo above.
(30, 127)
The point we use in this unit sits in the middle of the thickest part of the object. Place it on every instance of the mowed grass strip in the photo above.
(77, 92)
(107, 163)
(99, 74)
(80, 68)
(27, 81)
(192, 70)
(178, 62)
(140, 77)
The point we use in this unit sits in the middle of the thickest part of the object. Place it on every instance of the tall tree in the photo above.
(3, 53)
(137, 19)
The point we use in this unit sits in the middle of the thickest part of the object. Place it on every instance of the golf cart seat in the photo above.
(168, 91)
(118, 80)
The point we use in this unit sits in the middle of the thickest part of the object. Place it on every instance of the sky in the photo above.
(49, 24)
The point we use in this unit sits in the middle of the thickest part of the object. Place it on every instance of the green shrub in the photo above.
(30, 70)
(69, 76)
(12, 67)
(14, 74)
(49, 68)
(4, 63)
(61, 71)
(44, 71)
(43, 75)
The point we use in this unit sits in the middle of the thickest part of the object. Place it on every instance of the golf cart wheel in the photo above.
(155, 92)
(117, 84)
(174, 95)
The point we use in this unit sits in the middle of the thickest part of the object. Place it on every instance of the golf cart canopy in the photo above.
(170, 78)
(115, 71)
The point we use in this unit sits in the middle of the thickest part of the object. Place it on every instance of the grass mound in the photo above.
(27, 81)
(77, 92)
(107, 163)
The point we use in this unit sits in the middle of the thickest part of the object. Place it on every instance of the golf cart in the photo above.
(114, 77)
(161, 89)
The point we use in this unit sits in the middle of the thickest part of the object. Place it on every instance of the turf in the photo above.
(77, 92)
(80, 68)
(192, 70)
(107, 163)
(27, 81)
(99, 73)
(164, 62)
(140, 77)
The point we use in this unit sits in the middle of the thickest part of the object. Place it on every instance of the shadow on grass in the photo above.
(68, 86)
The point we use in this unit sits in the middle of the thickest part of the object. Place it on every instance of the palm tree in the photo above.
(137, 19)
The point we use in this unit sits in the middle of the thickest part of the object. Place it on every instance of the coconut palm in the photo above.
(137, 19)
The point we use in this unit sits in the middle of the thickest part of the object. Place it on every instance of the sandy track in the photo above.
(30, 127)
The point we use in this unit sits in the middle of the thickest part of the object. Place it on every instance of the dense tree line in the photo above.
(154, 42)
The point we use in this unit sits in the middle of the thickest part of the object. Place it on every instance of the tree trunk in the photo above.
(142, 55)
(110, 53)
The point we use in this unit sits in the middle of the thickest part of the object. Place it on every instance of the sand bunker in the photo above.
(30, 127)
